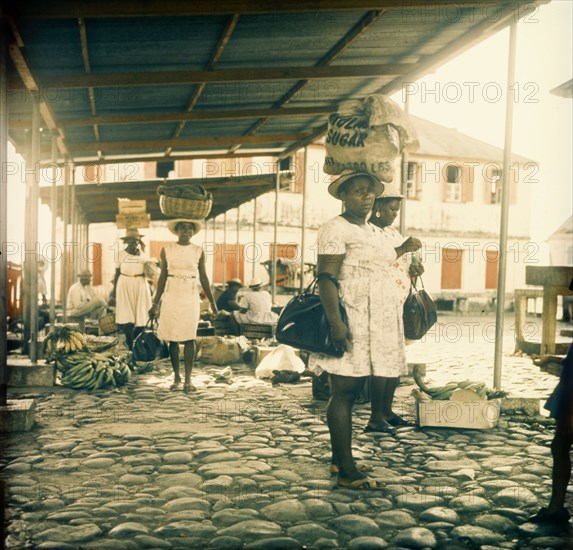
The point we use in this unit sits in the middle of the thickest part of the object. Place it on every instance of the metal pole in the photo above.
(303, 219)
(214, 250)
(253, 264)
(33, 221)
(238, 248)
(54, 203)
(224, 253)
(274, 270)
(74, 222)
(500, 302)
(3, 215)
(65, 215)
(26, 265)
(404, 179)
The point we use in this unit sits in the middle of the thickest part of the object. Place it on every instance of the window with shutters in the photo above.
(495, 186)
(453, 183)
(413, 182)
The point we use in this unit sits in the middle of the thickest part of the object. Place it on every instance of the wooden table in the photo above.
(555, 280)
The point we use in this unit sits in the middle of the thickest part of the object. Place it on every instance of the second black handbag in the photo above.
(146, 346)
(420, 313)
(303, 323)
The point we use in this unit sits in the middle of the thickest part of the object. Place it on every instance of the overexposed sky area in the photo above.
(469, 93)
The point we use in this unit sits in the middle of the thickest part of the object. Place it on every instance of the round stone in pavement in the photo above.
(128, 529)
(251, 529)
(355, 525)
(290, 511)
(367, 543)
(469, 503)
(440, 513)
(516, 496)
(476, 535)
(416, 537)
(395, 518)
(226, 543)
(284, 543)
(155, 543)
(307, 533)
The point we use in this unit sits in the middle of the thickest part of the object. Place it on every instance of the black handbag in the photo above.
(147, 345)
(303, 323)
(420, 312)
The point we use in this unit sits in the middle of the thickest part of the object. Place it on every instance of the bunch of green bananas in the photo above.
(93, 371)
(445, 392)
(63, 339)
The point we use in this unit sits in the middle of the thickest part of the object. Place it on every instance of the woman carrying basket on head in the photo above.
(182, 268)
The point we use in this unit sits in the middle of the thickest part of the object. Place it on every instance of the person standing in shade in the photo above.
(182, 270)
(384, 212)
(131, 293)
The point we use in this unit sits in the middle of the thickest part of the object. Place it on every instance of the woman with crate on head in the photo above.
(182, 268)
(131, 293)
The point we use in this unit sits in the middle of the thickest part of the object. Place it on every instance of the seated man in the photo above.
(83, 300)
(256, 306)
(228, 299)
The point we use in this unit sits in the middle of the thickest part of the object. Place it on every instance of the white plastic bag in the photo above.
(281, 358)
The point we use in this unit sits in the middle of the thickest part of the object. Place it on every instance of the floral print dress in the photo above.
(371, 299)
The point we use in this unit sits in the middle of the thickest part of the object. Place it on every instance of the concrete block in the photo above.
(17, 415)
(520, 406)
(21, 372)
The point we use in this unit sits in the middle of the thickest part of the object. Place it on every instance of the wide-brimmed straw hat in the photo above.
(255, 282)
(132, 234)
(235, 281)
(348, 175)
(171, 224)
(391, 191)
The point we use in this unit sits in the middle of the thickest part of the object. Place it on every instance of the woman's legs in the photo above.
(560, 449)
(129, 337)
(189, 357)
(382, 390)
(174, 356)
(343, 392)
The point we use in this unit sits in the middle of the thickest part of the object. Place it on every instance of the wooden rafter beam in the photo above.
(219, 141)
(151, 118)
(248, 74)
(342, 45)
(32, 87)
(66, 9)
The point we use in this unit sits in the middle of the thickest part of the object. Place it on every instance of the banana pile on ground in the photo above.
(92, 371)
(63, 339)
(445, 392)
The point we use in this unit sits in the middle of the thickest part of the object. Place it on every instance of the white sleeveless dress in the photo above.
(132, 294)
(179, 313)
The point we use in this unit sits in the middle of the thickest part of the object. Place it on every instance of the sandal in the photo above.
(175, 385)
(384, 427)
(362, 484)
(334, 470)
(188, 388)
(398, 422)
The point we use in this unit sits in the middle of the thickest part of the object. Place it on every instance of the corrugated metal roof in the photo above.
(165, 79)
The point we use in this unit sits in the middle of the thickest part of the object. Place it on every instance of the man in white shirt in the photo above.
(256, 306)
(83, 300)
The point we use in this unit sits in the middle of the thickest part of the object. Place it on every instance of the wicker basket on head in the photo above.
(107, 324)
(185, 201)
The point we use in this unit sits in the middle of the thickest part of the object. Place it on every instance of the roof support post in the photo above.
(65, 216)
(238, 249)
(54, 208)
(500, 301)
(404, 179)
(3, 215)
(214, 255)
(74, 250)
(303, 218)
(255, 254)
(274, 270)
(32, 256)
(224, 254)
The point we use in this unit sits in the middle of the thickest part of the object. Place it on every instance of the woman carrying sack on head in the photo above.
(182, 268)
(352, 253)
(384, 212)
(131, 293)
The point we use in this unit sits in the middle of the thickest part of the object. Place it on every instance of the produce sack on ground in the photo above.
(367, 135)
(282, 358)
(216, 350)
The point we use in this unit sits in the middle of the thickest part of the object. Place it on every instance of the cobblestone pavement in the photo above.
(245, 465)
